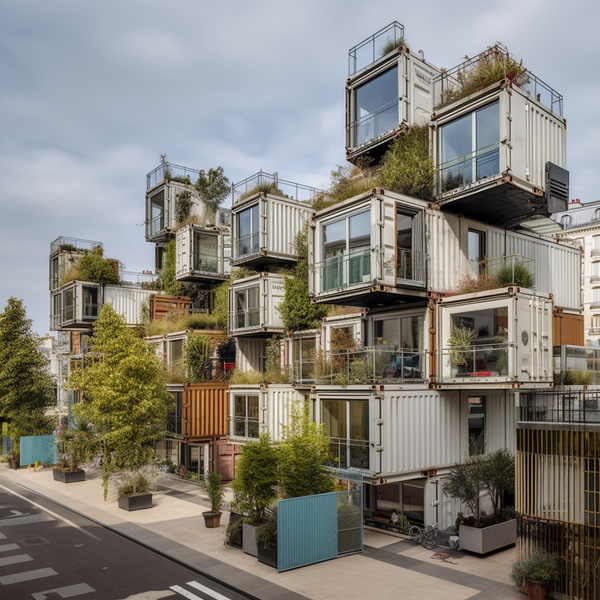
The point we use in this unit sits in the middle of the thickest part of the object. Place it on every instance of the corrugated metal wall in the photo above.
(248, 354)
(38, 448)
(205, 411)
(127, 301)
(567, 330)
(284, 220)
(278, 401)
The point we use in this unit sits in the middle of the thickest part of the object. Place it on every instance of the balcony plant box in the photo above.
(482, 540)
(68, 476)
(138, 502)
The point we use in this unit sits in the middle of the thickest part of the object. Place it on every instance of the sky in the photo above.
(92, 93)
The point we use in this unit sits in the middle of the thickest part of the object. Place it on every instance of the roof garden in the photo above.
(270, 183)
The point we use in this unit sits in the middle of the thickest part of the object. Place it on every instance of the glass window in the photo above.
(157, 222)
(176, 348)
(305, 350)
(247, 308)
(347, 251)
(476, 249)
(68, 305)
(205, 252)
(476, 406)
(470, 146)
(375, 107)
(90, 302)
(565, 221)
(175, 416)
(245, 420)
(248, 232)
(196, 459)
(346, 422)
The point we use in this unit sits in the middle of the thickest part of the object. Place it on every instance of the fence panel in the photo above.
(39, 448)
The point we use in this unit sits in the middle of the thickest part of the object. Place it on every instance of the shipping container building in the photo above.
(267, 214)
(65, 253)
(500, 152)
(387, 249)
(388, 89)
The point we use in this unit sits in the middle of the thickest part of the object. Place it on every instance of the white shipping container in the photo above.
(264, 229)
(250, 353)
(380, 101)
(253, 303)
(127, 300)
(202, 253)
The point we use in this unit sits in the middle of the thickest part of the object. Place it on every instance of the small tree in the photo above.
(196, 358)
(213, 187)
(26, 387)
(255, 482)
(303, 450)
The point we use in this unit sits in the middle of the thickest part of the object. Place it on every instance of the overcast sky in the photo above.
(92, 93)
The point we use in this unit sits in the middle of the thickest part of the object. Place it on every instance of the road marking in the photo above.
(66, 592)
(9, 547)
(206, 590)
(13, 560)
(51, 513)
(27, 576)
(2, 536)
(184, 592)
(10, 521)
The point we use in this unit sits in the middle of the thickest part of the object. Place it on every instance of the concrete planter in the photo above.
(487, 539)
(249, 542)
(130, 503)
(68, 476)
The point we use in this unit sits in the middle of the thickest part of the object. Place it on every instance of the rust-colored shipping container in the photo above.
(162, 306)
(224, 458)
(567, 329)
(205, 411)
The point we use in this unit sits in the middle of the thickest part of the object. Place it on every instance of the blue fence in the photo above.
(312, 529)
(39, 448)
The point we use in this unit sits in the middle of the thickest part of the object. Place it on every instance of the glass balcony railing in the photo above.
(73, 244)
(349, 453)
(480, 362)
(464, 170)
(361, 366)
(171, 172)
(156, 224)
(369, 50)
(345, 270)
(272, 184)
(245, 319)
(247, 245)
(375, 124)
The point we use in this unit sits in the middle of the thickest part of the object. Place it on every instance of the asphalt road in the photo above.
(49, 552)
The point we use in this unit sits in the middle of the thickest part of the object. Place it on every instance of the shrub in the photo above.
(135, 483)
(517, 274)
(245, 378)
(391, 44)
(270, 187)
(469, 285)
(536, 565)
(197, 358)
(213, 187)
(407, 167)
(183, 205)
(346, 182)
(92, 266)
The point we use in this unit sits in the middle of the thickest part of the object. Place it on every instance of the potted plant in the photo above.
(491, 475)
(460, 344)
(255, 486)
(533, 573)
(212, 486)
(134, 491)
(79, 445)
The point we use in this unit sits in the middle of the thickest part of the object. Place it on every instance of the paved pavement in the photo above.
(390, 566)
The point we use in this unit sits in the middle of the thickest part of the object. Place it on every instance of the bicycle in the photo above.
(427, 536)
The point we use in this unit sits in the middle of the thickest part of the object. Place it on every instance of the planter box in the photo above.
(135, 502)
(487, 539)
(267, 557)
(249, 543)
(234, 518)
(13, 464)
(68, 476)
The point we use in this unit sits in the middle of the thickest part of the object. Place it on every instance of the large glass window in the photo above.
(157, 219)
(476, 250)
(470, 148)
(347, 251)
(205, 252)
(245, 420)
(248, 241)
(375, 107)
(90, 302)
(176, 351)
(399, 341)
(405, 257)
(175, 416)
(247, 308)
(68, 308)
(346, 422)
(305, 350)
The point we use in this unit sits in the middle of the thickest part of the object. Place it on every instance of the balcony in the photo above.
(576, 365)
(480, 363)
(559, 409)
(349, 453)
(75, 305)
(363, 366)
(371, 49)
(167, 171)
(202, 254)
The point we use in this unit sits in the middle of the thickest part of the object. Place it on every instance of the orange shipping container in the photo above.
(205, 411)
(567, 329)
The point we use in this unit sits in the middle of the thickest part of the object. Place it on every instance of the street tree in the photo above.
(26, 387)
(124, 393)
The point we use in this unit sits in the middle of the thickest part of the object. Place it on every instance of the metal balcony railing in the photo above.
(464, 170)
(171, 172)
(480, 362)
(344, 270)
(368, 365)
(369, 50)
(157, 224)
(272, 184)
(463, 80)
(577, 407)
(510, 263)
(73, 244)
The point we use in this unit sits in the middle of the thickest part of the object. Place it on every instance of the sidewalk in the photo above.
(390, 566)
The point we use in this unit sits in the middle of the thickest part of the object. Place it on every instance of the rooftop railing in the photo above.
(171, 172)
(272, 184)
(488, 67)
(73, 244)
(369, 50)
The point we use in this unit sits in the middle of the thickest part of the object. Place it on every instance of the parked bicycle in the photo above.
(426, 536)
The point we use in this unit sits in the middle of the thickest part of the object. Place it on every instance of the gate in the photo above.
(315, 528)
(38, 448)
